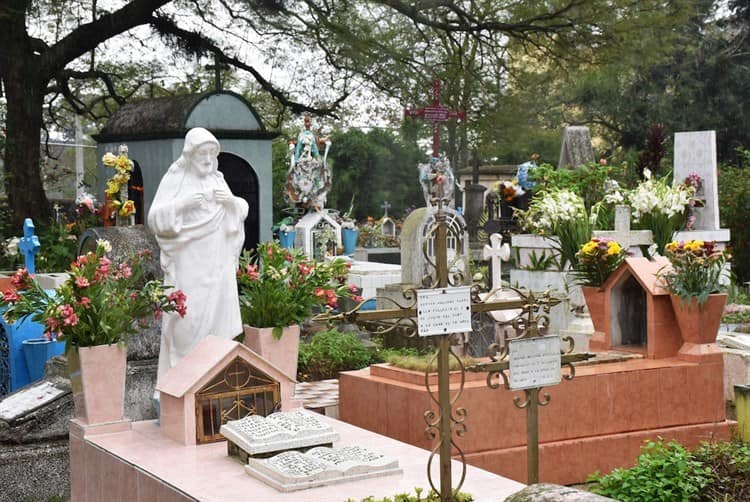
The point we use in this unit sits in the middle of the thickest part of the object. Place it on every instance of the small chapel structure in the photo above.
(154, 132)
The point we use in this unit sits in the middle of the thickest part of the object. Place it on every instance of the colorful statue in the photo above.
(309, 178)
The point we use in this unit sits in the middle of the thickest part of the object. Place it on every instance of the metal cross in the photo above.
(385, 207)
(435, 114)
(29, 245)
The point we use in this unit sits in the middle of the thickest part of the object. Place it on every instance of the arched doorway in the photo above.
(135, 192)
(242, 180)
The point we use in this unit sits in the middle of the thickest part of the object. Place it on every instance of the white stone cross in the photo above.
(625, 237)
(498, 252)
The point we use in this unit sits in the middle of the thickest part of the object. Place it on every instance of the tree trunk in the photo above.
(24, 88)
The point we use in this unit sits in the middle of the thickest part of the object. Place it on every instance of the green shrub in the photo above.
(730, 463)
(734, 201)
(329, 352)
(431, 496)
(666, 472)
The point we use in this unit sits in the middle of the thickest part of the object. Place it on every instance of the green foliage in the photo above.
(280, 287)
(730, 464)
(664, 471)
(697, 270)
(590, 181)
(59, 244)
(418, 496)
(423, 362)
(329, 352)
(734, 197)
(542, 262)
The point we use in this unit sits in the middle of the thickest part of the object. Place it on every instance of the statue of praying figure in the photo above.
(309, 177)
(199, 226)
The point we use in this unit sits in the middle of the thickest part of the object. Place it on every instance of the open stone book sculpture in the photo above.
(294, 470)
(257, 435)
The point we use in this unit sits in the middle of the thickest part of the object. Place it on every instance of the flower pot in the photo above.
(282, 353)
(36, 353)
(595, 303)
(97, 376)
(286, 239)
(349, 239)
(699, 323)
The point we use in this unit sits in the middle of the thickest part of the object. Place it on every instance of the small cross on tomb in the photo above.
(625, 237)
(498, 252)
(385, 207)
(435, 114)
(29, 245)
(217, 67)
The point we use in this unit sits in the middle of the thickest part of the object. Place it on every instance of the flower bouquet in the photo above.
(279, 287)
(96, 305)
(117, 185)
(660, 207)
(597, 259)
(697, 270)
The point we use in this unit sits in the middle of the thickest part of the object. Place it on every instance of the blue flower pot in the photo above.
(349, 239)
(36, 352)
(287, 239)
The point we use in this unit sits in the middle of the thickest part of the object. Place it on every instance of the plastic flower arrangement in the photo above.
(117, 185)
(279, 287)
(597, 259)
(660, 207)
(508, 190)
(697, 270)
(559, 213)
(98, 304)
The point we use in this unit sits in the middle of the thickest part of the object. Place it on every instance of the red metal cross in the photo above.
(436, 113)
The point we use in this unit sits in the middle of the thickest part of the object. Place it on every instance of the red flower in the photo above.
(82, 282)
(10, 296)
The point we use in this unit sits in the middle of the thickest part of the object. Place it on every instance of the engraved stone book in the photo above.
(294, 470)
(255, 434)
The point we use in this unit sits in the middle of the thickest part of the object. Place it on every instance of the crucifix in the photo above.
(498, 252)
(435, 114)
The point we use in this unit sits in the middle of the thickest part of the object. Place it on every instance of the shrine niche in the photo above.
(218, 381)
(238, 391)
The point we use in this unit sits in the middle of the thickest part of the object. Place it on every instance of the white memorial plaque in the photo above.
(534, 362)
(443, 310)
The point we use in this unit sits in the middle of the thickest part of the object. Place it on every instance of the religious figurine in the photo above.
(437, 182)
(199, 226)
(309, 177)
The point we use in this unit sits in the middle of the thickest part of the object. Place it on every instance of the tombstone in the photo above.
(631, 240)
(29, 245)
(318, 234)
(154, 131)
(576, 149)
(414, 265)
(695, 152)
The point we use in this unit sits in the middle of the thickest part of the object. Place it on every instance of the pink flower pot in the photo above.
(97, 376)
(282, 353)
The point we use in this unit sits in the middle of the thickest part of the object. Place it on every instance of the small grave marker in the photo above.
(443, 311)
(29, 245)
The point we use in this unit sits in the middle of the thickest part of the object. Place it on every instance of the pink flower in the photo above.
(353, 288)
(85, 301)
(82, 282)
(357, 298)
(157, 313)
(252, 272)
(21, 279)
(306, 269)
(319, 292)
(68, 314)
(10, 296)
(124, 271)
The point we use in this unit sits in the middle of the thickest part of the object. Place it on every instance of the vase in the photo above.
(595, 303)
(97, 377)
(699, 323)
(281, 352)
(286, 239)
(36, 353)
(349, 239)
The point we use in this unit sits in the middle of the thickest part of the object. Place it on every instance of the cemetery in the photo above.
(438, 258)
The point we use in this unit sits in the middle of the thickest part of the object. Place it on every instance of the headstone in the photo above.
(318, 234)
(695, 152)
(576, 147)
(414, 265)
(626, 238)
(29, 245)
(294, 470)
(497, 252)
(286, 430)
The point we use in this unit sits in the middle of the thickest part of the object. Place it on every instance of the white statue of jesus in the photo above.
(199, 226)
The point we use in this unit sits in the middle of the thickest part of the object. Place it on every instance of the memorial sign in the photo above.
(443, 311)
(534, 362)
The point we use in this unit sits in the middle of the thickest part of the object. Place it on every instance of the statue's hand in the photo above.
(222, 196)
(191, 201)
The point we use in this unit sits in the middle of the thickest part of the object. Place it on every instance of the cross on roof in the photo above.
(436, 113)
(217, 67)
(385, 207)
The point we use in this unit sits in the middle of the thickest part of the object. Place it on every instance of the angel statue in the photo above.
(437, 182)
(309, 177)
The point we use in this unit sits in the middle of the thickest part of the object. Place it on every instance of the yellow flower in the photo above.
(113, 188)
(589, 247)
(124, 164)
(120, 178)
(114, 204)
(613, 248)
(127, 209)
(109, 159)
(671, 246)
(694, 246)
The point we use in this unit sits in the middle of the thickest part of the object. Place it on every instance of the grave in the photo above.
(154, 131)
(576, 149)
(387, 225)
(318, 234)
